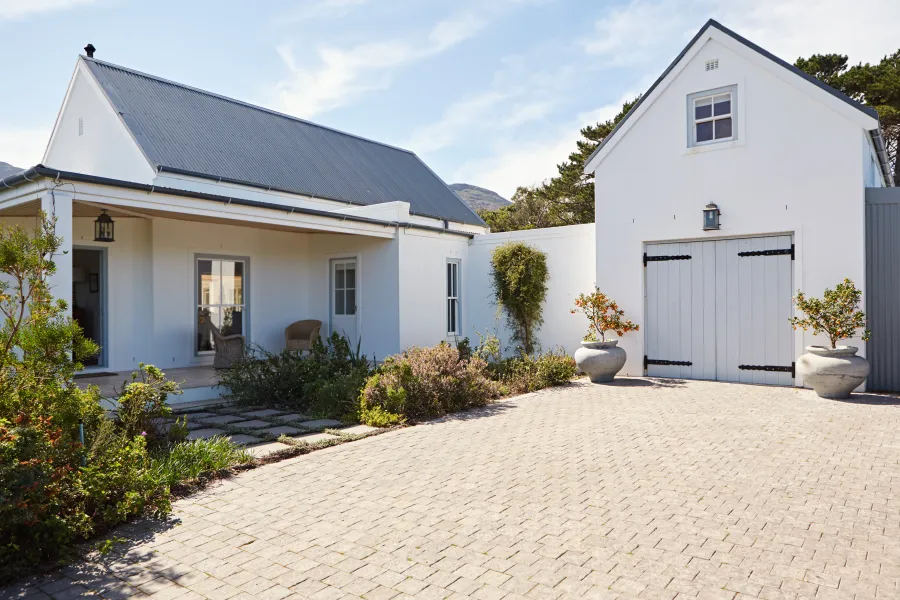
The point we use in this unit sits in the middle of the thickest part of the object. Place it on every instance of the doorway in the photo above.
(344, 298)
(89, 299)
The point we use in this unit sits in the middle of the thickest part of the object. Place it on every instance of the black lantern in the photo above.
(104, 228)
(711, 216)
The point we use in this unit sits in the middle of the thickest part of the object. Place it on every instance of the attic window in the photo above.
(712, 65)
(712, 116)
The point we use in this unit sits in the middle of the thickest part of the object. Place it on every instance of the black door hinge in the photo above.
(779, 252)
(771, 368)
(673, 363)
(672, 257)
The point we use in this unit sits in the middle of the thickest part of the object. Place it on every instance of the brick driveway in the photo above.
(636, 490)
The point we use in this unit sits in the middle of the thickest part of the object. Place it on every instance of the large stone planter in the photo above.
(600, 360)
(832, 372)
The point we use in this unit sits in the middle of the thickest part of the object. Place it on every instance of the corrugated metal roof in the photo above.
(187, 130)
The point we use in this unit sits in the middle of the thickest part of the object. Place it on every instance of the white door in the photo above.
(344, 298)
(719, 310)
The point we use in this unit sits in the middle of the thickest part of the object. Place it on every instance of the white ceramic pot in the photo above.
(832, 372)
(600, 360)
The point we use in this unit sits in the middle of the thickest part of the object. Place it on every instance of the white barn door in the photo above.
(719, 310)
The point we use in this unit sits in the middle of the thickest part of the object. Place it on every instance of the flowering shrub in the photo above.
(603, 315)
(837, 314)
(423, 383)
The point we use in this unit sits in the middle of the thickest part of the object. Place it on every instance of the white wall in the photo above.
(104, 147)
(570, 261)
(423, 285)
(796, 169)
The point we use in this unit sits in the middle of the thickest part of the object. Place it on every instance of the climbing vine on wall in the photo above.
(520, 285)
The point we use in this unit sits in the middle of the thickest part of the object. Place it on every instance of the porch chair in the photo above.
(301, 335)
(229, 348)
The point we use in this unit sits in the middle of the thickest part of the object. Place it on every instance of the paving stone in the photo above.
(194, 416)
(281, 429)
(220, 419)
(265, 412)
(252, 424)
(293, 417)
(312, 438)
(266, 448)
(242, 439)
(321, 423)
(202, 434)
(359, 429)
(643, 488)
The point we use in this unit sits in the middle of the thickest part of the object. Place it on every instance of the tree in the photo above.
(875, 85)
(567, 198)
(519, 279)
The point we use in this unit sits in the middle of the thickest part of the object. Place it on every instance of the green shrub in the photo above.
(187, 461)
(519, 279)
(423, 383)
(142, 406)
(324, 383)
(523, 374)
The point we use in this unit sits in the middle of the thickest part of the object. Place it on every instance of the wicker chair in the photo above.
(302, 335)
(229, 348)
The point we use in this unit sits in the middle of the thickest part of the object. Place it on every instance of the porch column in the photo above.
(59, 204)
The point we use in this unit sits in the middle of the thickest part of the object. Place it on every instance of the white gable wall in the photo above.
(104, 147)
(795, 169)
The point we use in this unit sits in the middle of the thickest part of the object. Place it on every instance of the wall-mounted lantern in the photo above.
(104, 228)
(711, 216)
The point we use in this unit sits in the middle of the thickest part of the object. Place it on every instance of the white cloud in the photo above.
(344, 74)
(515, 163)
(454, 123)
(18, 9)
(23, 147)
(323, 9)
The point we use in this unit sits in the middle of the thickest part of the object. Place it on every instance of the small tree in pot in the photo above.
(600, 358)
(836, 371)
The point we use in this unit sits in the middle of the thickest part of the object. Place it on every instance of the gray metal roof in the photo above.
(868, 110)
(185, 130)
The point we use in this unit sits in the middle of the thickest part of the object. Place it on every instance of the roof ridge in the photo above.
(242, 103)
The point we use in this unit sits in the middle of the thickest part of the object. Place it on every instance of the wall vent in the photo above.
(712, 65)
(80, 126)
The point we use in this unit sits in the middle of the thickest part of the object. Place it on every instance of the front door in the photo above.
(89, 299)
(344, 298)
(719, 310)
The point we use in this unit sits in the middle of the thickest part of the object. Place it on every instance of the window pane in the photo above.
(232, 282)
(206, 317)
(339, 277)
(723, 105)
(451, 316)
(455, 280)
(205, 283)
(703, 108)
(723, 128)
(449, 279)
(351, 277)
(351, 302)
(704, 131)
(338, 302)
(232, 321)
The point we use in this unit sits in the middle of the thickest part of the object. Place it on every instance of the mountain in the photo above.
(478, 198)
(7, 169)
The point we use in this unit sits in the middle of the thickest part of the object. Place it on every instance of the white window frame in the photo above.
(710, 95)
(453, 274)
(245, 306)
(342, 264)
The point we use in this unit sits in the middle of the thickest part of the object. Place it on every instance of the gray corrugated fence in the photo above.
(883, 287)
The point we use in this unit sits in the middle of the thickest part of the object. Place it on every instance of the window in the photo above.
(712, 116)
(344, 279)
(454, 325)
(221, 299)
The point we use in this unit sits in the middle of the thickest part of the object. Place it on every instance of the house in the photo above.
(780, 160)
(236, 216)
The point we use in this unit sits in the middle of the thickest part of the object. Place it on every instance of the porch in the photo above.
(198, 383)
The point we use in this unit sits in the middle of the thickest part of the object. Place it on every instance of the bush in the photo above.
(837, 314)
(523, 374)
(519, 279)
(423, 383)
(187, 461)
(324, 383)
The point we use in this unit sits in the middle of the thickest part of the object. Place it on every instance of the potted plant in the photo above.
(600, 358)
(833, 372)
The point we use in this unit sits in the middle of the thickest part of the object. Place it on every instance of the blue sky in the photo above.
(486, 92)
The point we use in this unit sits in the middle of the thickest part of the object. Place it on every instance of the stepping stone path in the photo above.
(262, 426)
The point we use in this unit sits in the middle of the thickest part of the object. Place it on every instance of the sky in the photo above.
(491, 93)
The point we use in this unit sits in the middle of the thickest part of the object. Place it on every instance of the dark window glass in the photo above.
(339, 278)
(351, 278)
(704, 131)
(703, 111)
(339, 302)
(351, 302)
(723, 107)
(723, 128)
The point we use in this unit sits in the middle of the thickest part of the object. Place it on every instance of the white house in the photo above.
(785, 158)
(235, 215)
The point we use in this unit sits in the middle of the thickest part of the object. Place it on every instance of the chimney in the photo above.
(89, 49)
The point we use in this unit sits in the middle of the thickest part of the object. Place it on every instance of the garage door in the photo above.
(719, 310)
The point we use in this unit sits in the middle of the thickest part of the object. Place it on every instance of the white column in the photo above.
(59, 204)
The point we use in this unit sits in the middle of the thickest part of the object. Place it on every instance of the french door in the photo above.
(345, 298)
